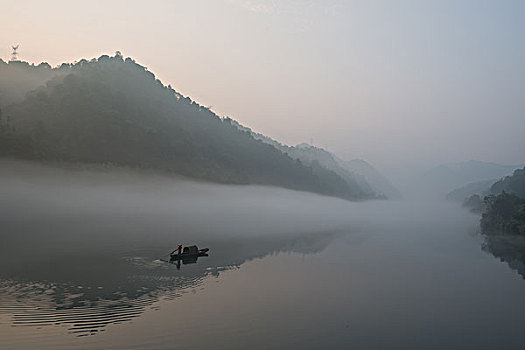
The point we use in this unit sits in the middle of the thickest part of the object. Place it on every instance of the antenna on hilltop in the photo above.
(14, 54)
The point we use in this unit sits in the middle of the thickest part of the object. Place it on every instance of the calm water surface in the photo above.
(85, 270)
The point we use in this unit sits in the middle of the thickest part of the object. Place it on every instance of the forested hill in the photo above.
(505, 207)
(112, 110)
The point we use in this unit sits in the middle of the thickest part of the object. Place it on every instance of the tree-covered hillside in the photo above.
(505, 208)
(18, 77)
(504, 214)
(112, 110)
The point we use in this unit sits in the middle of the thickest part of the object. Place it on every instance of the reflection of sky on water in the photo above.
(118, 289)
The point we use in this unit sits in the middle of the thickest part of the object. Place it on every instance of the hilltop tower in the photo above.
(14, 54)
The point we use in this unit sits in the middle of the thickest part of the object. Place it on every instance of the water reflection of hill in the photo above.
(509, 249)
(87, 291)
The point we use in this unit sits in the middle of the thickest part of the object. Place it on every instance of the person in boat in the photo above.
(177, 251)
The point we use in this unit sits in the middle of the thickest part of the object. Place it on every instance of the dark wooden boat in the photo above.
(188, 253)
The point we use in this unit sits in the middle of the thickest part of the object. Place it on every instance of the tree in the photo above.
(505, 214)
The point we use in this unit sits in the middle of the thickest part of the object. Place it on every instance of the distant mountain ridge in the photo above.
(485, 196)
(357, 171)
(514, 183)
(481, 188)
(378, 181)
(447, 177)
(113, 110)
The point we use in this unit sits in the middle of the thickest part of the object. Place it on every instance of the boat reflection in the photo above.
(186, 260)
(92, 291)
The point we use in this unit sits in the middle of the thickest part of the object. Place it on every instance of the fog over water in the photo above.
(83, 264)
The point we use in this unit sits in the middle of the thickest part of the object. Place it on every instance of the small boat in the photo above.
(188, 253)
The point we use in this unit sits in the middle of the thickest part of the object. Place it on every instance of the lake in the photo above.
(83, 265)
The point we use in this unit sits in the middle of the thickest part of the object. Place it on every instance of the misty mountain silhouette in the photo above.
(112, 110)
(514, 183)
(357, 172)
(447, 177)
(480, 188)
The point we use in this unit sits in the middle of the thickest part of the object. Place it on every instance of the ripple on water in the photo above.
(39, 305)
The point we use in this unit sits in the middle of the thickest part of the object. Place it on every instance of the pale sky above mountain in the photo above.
(387, 81)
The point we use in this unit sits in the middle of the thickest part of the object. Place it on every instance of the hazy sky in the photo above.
(387, 81)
